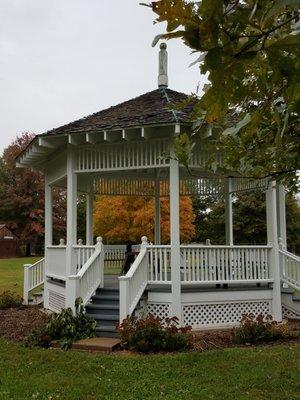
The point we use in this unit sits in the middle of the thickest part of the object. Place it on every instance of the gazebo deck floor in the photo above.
(112, 282)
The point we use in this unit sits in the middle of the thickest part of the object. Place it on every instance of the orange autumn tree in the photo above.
(119, 219)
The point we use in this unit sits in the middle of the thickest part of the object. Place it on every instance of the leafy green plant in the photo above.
(153, 334)
(260, 329)
(9, 299)
(249, 51)
(65, 327)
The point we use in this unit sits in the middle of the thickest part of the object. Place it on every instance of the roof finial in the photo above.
(163, 66)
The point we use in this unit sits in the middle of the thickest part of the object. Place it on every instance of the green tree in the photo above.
(249, 219)
(249, 50)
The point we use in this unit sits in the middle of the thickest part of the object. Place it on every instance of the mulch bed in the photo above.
(17, 323)
(213, 339)
(218, 339)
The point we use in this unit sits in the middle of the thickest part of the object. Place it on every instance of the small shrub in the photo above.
(153, 334)
(260, 329)
(65, 327)
(9, 300)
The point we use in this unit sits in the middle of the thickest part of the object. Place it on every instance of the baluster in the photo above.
(151, 264)
(197, 264)
(156, 264)
(192, 258)
(206, 265)
(217, 266)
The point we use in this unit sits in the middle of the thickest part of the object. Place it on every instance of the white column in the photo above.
(274, 253)
(175, 235)
(71, 227)
(281, 214)
(228, 213)
(48, 238)
(48, 214)
(89, 217)
(157, 229)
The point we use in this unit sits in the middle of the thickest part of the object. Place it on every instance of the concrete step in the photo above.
(101, 344)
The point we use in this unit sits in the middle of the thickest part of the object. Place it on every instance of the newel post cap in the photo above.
(144, 240)
(61, 242)
(99, 241)
(80, 242)
(281, 243)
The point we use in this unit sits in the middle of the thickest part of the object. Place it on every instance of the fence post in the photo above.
(99, 246)
(124, 297)
(26, 283)
(72, 293)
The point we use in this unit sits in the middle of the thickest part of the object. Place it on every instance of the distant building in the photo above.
(9, 242)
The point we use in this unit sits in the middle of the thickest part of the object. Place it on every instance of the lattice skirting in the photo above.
(57, 301)
(203, 315)
(160, 310)
(290, 314)
(222, 314)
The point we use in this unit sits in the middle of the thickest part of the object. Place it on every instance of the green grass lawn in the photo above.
(11, 273)
(236, 373)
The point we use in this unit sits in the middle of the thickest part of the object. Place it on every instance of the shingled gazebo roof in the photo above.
(152, 108)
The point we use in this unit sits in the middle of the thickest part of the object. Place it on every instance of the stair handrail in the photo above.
(90, 276)
(290, 268)
(34, 276)
(134, 283)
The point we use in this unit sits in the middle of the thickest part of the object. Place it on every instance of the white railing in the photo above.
(290, 268)
(90, 276)
(225, 264)
(55, 262)
(109, 157)
(114, 255)
(133, 284)
(33, 277)
(211, 264)
(83, 254)
(159, 264)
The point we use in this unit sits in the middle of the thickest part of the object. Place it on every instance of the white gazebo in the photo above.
(128, 150)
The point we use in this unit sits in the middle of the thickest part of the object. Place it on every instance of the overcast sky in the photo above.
(64, 59)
